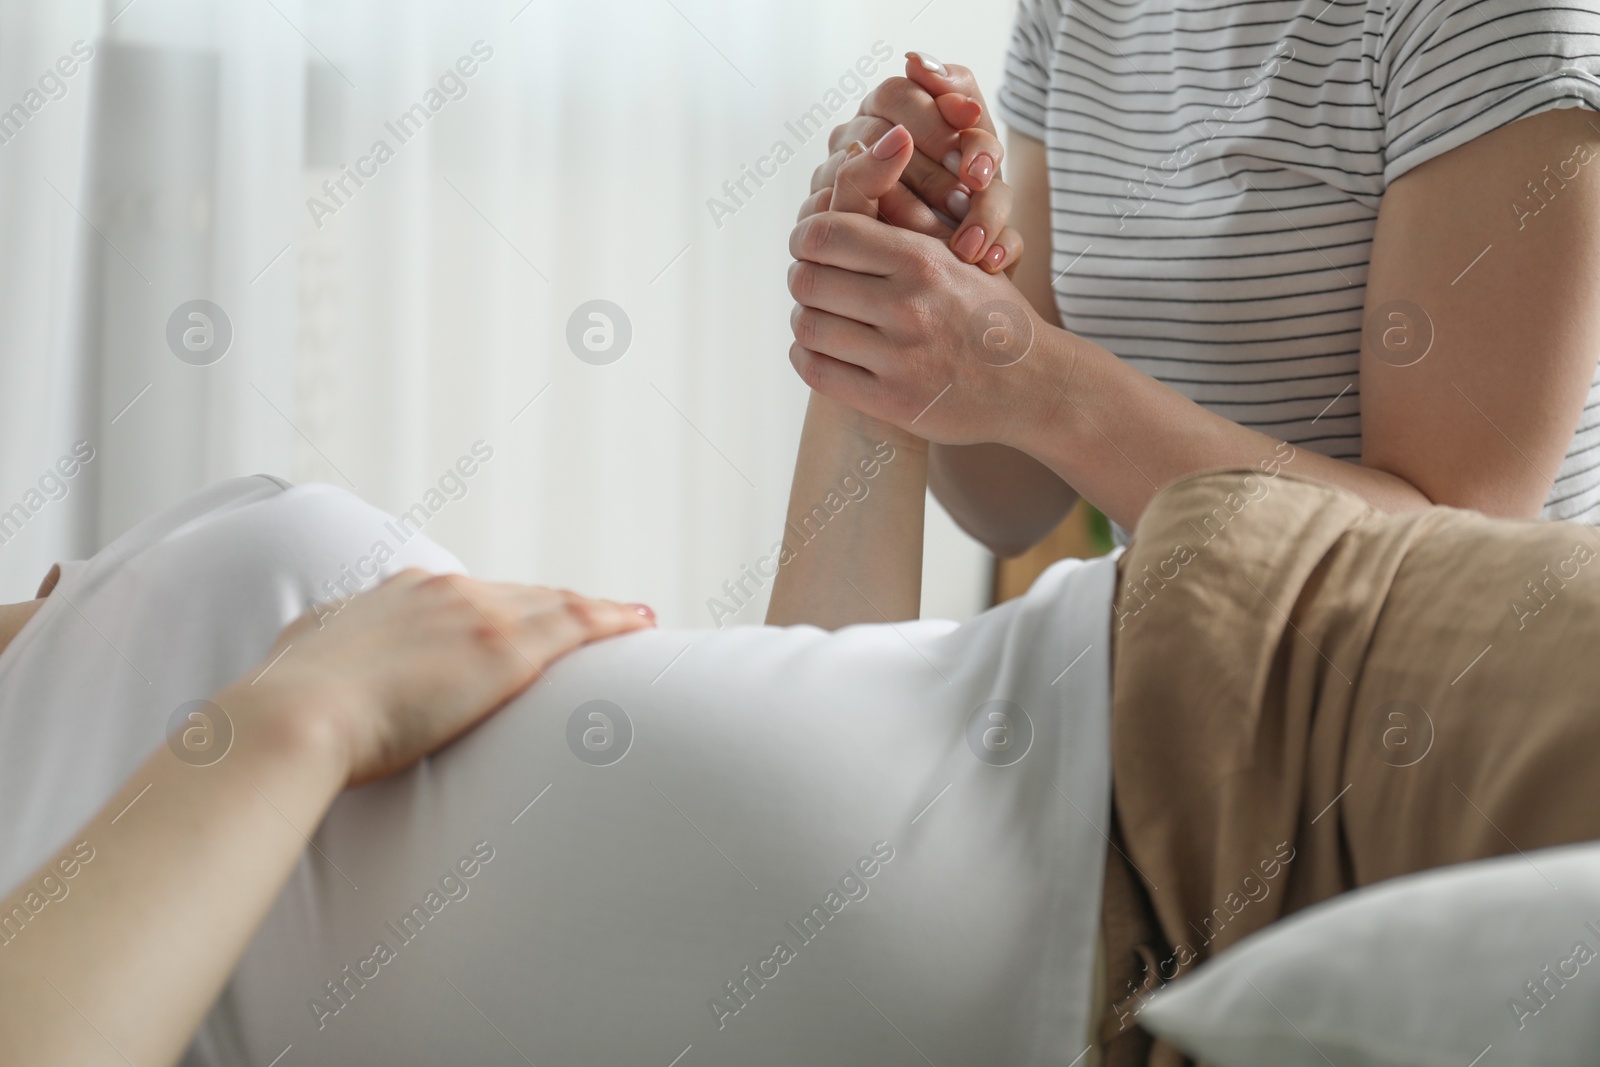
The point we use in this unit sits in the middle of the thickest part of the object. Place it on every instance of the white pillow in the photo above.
(1491, 964)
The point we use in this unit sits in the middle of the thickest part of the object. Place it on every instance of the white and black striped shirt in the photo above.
(1216, 168)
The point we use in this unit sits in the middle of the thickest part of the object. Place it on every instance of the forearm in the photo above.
(168, 883)
(1118, 435)
(852, 542)
(1004, 498)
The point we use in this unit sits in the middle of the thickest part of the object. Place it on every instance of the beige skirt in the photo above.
(1310, 696)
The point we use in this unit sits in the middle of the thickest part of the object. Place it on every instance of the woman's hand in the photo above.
(955, 172)
(181, 884)
(893, 325)
(406, 667)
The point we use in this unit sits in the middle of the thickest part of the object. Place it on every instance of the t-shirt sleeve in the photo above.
(1449, 71)
(1025, 87)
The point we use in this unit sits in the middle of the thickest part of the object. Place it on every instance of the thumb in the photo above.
(867, 174)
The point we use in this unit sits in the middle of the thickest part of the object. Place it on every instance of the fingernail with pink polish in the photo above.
(644, 610)
(981, 170)
(891, 143)
(970, 243)
(927, 61)
(996, 256)
(952, 161)
(958, 203)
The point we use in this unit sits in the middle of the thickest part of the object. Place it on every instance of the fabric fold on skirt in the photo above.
(1311, 696)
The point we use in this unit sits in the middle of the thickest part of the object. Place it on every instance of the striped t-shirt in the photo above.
(1216, 168)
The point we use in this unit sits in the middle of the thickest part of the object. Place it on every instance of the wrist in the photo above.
(846, 421)
(1049, 408)
(282, 721)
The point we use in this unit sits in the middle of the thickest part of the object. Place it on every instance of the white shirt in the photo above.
(1216, 170)
(861, 797)
(173, 611)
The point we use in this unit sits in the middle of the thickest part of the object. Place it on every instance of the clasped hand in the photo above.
(890, 319)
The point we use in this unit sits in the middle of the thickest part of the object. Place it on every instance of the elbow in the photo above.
(1006, 540)
(1514, 496)
(1004, 546)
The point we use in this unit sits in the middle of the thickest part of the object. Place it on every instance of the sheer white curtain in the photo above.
(390, 310)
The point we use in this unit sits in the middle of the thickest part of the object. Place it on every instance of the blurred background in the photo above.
(209, 268)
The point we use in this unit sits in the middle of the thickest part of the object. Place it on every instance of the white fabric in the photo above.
(1495, 962)
(172, 611)
(607, 907)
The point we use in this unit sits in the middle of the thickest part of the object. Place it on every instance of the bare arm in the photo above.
(1002, 497)
(852, 542)
(153, 901)
(1005, 498)
(863, 561)
(1483, 421)
(162, 890)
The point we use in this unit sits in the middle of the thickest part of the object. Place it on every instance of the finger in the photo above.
(854, 242)
(822, 177)
(981, 153)
(959, 110)
(1004, 253)
(816, 203)
(991, 208)
(834, 335)
(636, 616)
(901, 207)
(863, 127)
(903, 102)
(868, 174)
(833, 378)
(580, 619)
(855, 296)
(937, 186)
(936, 79)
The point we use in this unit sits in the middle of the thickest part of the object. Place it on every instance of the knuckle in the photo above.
(802, 281)
(580, 609)
(818, 235)
(806, 365)
(439, 584)
(930, 183)
(804, 322)
(409, 576)
(896, 94)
